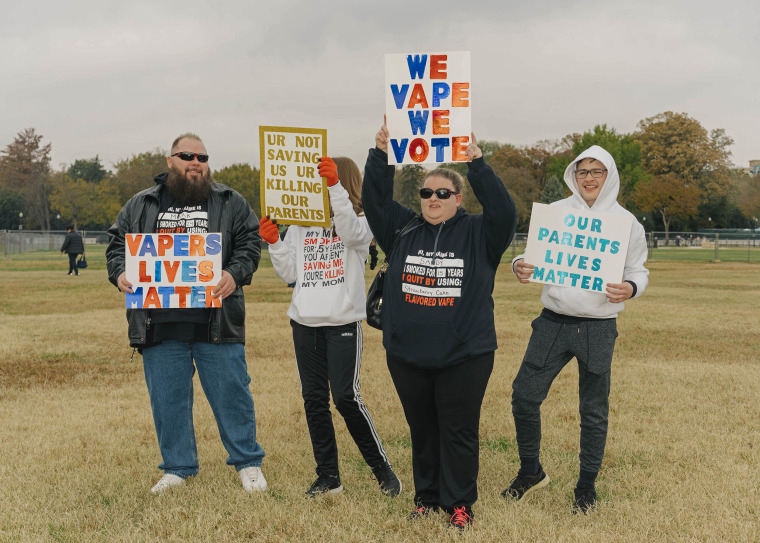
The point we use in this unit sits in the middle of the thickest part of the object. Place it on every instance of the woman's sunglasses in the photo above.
(187, 157)
(443, 194)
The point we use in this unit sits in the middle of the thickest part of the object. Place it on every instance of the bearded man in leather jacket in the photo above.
(176, 342)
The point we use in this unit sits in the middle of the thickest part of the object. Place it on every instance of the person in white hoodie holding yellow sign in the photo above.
(575, 323)
(326, 312)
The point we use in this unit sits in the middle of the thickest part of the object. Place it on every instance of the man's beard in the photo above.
(186, 191)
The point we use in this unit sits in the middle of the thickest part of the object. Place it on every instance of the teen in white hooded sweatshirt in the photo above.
(326, 312)
(575, 323)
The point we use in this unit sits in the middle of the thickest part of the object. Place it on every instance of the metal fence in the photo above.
(723, 247)
(726, 247)
(26, 241)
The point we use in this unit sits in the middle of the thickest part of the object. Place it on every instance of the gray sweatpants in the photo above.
(552, 345)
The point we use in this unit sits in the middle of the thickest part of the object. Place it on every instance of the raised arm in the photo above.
(385, 216)
(352, 229)
(499, 212)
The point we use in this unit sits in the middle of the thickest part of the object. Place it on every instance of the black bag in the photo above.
(375, 298)
(375, 292)
(82, 263)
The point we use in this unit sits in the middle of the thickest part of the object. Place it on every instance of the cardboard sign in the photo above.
(174, 271)
(577, 248)
(427, 105)
(292, 192)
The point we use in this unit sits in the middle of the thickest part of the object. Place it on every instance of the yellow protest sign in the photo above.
(292, 192)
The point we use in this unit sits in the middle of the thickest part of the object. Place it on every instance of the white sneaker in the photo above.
(166, 482)
(252, 479)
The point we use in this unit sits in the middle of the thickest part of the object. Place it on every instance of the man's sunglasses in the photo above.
(187, 157)
(443, 194)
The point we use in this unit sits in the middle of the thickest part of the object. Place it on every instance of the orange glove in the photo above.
(328, 169)
(268, 230)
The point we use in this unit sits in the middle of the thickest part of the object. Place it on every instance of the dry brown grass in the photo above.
(79, 452)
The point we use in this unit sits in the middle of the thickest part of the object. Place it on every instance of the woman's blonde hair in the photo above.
(455, 177)
(350, 177)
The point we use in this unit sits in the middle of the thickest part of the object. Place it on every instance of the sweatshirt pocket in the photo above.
(542, 340)
(317, 305)
(427, 344)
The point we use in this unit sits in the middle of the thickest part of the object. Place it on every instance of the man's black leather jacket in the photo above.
(228, 213)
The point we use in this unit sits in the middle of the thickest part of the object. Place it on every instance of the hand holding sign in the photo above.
(225, 287)
(473, 151)
(523, 271)
(123, 284)
(329, 170)
(268, 230)
(619, 292)
(381, 138)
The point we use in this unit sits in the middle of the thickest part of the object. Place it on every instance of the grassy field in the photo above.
(79, 452)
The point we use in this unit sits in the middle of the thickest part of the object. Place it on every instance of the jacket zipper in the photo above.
(435, 245)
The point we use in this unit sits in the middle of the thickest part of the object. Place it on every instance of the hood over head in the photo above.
(609, 193)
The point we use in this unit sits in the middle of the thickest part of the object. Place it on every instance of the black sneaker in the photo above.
(524, 484)
(389, 483)
(585, 500)
(422, 511)
(461, 518)
(325, 484)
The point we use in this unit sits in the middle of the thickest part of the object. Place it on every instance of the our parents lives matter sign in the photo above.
(577, 248)
(173, 270)
(292, 192)
(427, 105)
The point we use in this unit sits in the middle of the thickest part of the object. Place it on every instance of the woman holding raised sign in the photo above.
(326, 312)
(437, 320)
(575, 323)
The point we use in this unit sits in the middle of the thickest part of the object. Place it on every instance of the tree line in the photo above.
(674, 175)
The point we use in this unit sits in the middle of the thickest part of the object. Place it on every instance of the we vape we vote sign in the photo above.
(173, 270)
(427, 106)
(577, 248)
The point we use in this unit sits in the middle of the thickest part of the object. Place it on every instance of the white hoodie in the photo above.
(585, 303)
(328, 270)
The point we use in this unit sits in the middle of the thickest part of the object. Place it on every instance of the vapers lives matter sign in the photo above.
(427, 107)
(292, 192)
(173, 270)
(577, 248)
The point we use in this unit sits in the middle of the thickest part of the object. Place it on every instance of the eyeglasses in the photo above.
(597, 173)
(187, 157)
(443, 194)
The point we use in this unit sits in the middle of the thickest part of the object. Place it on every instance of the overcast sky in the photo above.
(114, 78)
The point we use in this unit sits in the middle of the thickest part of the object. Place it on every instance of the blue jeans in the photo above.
(224, 377)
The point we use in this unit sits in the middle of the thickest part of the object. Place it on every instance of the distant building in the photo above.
(754, 167)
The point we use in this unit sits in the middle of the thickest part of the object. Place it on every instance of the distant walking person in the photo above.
(575, 323)
(175, 343)
(74, 246)
(326, 316)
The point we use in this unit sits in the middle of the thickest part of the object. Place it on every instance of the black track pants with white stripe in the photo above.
(329, 358)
